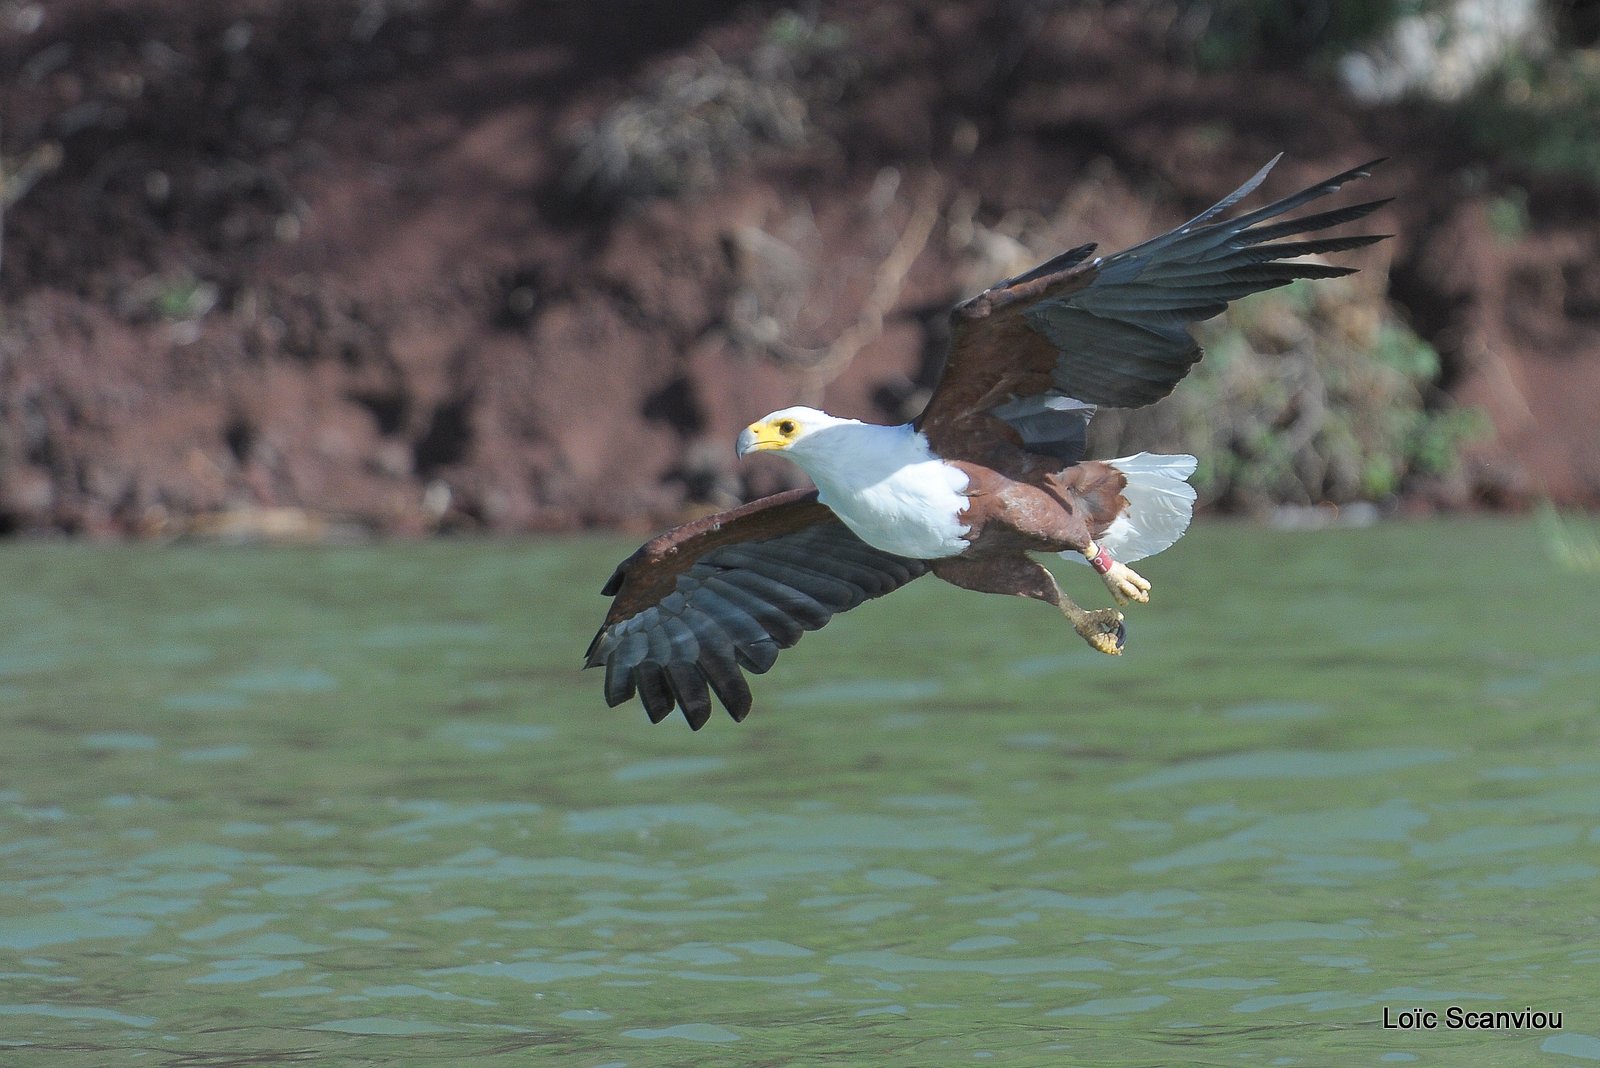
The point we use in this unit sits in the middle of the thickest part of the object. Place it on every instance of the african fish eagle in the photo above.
(992, 469)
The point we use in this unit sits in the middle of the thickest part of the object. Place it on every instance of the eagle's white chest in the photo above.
(888, 487)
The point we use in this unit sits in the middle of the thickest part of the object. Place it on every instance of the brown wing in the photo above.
(697, 603)
(1042, 349)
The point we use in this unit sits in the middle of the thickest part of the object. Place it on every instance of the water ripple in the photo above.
(1286, 764)
(886, 960)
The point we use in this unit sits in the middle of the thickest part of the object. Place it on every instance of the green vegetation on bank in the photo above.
(1312, 393)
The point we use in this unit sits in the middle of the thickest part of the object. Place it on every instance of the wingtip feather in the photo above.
(1250, 186)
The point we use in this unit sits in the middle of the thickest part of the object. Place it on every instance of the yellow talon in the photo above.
(1126, 584)
(1105, 643)
(1103, 630)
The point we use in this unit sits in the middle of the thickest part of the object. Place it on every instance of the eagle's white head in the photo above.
(788, 430)
(883, 482)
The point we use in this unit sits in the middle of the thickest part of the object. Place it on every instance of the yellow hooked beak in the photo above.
(767, 434)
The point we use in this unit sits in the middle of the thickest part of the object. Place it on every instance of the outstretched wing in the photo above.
(1042, 349)
(698, 603)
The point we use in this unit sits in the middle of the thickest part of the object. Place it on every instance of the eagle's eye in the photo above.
(786, 427)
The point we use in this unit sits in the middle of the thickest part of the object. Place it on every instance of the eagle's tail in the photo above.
(1160, 504)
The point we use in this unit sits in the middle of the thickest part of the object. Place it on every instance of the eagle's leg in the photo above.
(1124, 582)
(1022, 576)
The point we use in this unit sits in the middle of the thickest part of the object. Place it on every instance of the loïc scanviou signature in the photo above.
(1456, 1018)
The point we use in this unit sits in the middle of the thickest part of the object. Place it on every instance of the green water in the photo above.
(357, 805)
